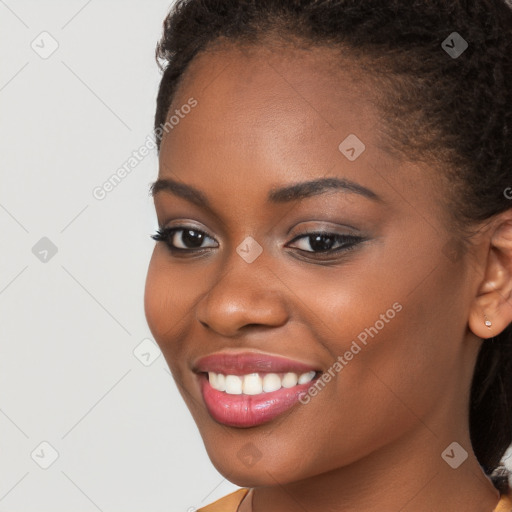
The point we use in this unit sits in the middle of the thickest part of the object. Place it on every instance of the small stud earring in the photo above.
(487, 322)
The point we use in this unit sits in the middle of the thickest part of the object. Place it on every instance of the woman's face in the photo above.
(375, 303)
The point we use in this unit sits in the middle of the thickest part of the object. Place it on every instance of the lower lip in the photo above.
(249, 410)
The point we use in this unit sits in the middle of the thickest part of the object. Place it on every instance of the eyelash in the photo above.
(166, 234)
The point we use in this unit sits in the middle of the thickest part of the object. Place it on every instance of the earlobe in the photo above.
(487, 326)
(491, 311)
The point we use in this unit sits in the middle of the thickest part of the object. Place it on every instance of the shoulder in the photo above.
(505, 503)
(229, 503)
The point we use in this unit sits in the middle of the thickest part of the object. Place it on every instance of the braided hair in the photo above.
(452, 112)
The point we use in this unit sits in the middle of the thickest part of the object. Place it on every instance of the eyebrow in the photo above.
(294, 192)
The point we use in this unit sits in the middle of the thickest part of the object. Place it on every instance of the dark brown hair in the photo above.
(452, 111)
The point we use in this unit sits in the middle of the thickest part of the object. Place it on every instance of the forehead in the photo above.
(270, 100)
(318, 80)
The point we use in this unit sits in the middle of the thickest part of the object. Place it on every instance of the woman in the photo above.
(332, 282)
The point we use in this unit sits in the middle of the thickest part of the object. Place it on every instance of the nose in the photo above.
(244, 295)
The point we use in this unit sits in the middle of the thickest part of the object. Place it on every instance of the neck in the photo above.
(407, 476)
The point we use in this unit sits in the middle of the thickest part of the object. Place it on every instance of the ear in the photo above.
(494, 297)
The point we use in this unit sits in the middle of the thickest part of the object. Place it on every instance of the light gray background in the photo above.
(69, 326)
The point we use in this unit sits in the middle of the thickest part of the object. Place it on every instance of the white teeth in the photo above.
(305, 377)
(271, 382)
(253, 384)
(233, 385)
(217, 381)
(212, 378)
(289, 380)
(221, 382)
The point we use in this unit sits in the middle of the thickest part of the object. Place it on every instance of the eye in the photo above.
(324, 242)
(187, 239)
(182, 238)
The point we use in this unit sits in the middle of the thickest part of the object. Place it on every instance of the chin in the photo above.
(243, 464)
(260, 475)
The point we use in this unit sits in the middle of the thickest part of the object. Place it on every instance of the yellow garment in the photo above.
(505, 504)
(231, 502)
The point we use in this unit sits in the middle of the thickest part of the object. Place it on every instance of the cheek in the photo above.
(163, 309)
(170, 296)
(395, 331)
(405, 360)
(155, 297)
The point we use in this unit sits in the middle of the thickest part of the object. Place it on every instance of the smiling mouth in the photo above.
(246, 389)
(258, 383)
(252, 399)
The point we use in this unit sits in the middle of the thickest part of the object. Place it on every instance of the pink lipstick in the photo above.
(248, 389)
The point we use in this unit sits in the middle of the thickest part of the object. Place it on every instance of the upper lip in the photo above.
(242, 363)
